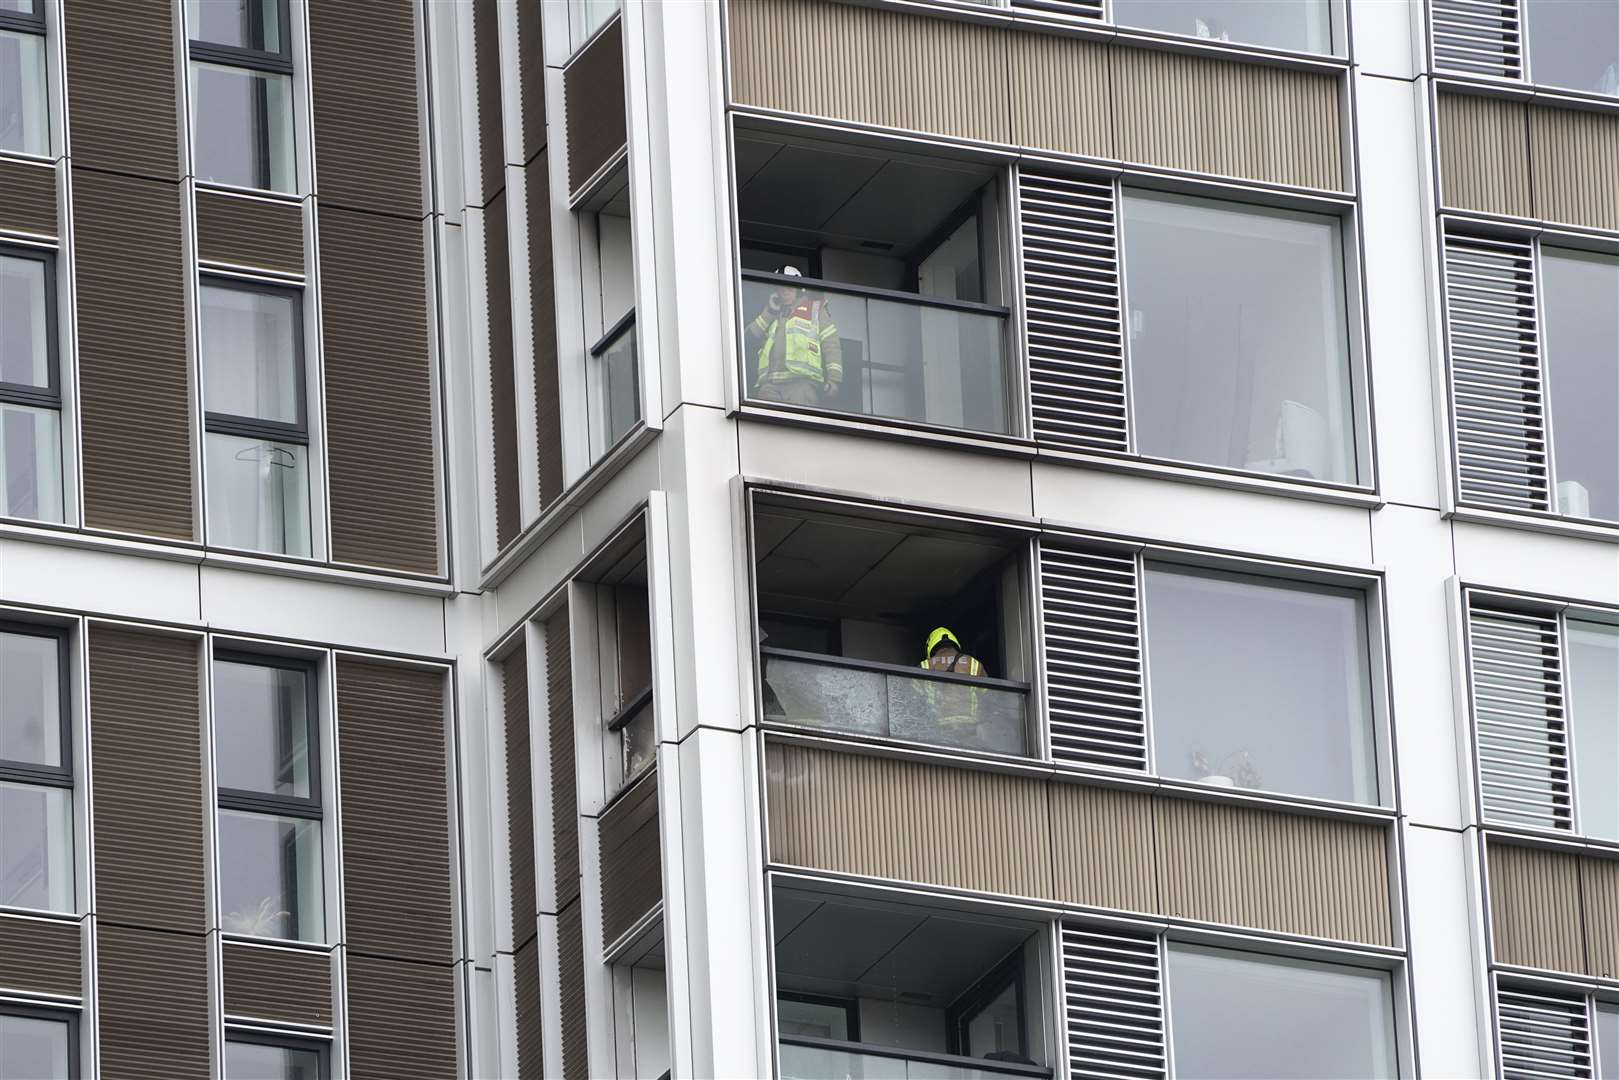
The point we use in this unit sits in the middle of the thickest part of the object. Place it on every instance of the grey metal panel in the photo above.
(1544, 1034)
(152, 1003)
(1535, 915)
(1113, 1002)
(30, 200)
(401, 1020)
(1477, 37)
(1484, 154)
(1574, 160)
(1102, 847)
(39, 956)
(293, 985)
(630, 858)
(1516, 668)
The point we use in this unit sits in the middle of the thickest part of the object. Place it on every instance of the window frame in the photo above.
(850, 1007)
(1545, 361)
(34, 24)
(960, 1014)
(251, 427)
(25, 23)
(71, 1017)
(1525, 11)
(247, 801)
(33, 773)
(287, 1041)
(48, 396)
(258, 61)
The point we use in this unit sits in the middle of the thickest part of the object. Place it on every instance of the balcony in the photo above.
(805, 1058)
(893, 702)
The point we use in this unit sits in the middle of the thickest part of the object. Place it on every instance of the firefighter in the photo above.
(943, 653)
(955, 708)
(794, 342)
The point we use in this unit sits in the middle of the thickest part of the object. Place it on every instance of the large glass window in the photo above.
(1298, 25)
(1593, 692)
(1245, 1016)
(1238, 339)
(1607, 1033)
(258, 434)
(36, 770)
(1574, 44)
(30, 389)
(613, 383)
(871, 282)
(258, 1056)
(266, 761)
(24, 100)
(624, 668)
(241, 93)
(37, 1044)
(1582, 373)
(1259, 683)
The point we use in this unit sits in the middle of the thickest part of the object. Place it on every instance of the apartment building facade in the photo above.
(481, 481)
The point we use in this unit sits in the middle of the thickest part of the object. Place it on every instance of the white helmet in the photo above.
(790, 271)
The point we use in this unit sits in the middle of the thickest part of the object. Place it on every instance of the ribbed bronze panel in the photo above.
(1484, 154)
(486, 59)
(134, 394)
(401, 1022)
(1102, 847)
(1599, 894)
(30, 201)
(564, 792)
(631, 860)
(1535, 908)
(1273, 871)
(1060, 94)
(593, 93)
(502, 376)
(146, 736)
(250, 232)
(909, 821)
(1220, 116)
(872, 67)
(526, 989)
(1575, 159)
(379, 392)
(519, 796)
(121, 63)
(293, 985)
(531, 78)
(39, 956)
(571, 969)
(396, 829)
(367, 127)
(152, 1001)
(543, 319)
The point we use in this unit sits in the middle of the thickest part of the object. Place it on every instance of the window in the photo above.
(38, 1044)
(25, 113)
(1593, 693)
(1582, 374)
(872, 282)
(1260, 683)
(1245, 1016)
(1607, 1031)
(1574, 44)
(267, 766)
(261, 1056)
(626, 673)
(36, 770)
(258, 435)
(613, 385)
(585, 17)
(241, 93)
(1238, 339)
(30, 387)
(1300, 26)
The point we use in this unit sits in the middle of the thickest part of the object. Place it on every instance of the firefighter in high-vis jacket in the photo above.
(943, 653)
(955, 708)
(794, 344)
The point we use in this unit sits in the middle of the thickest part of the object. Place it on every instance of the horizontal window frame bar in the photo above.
(900, 670)
(1007, 1068)
(614, 332)
(24, 772)
(629, 710)
(871, 293)
(259, 60)
(25, 24)
(35, 397)
(250, 428)
(259, 802)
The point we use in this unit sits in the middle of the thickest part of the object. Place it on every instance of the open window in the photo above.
(896, 628)
(868, 987)
(612, 378)
(872, 282)
(624, 650)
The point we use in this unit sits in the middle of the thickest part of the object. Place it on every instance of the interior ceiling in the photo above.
(849, 566)
(805, 194)
(847, 948)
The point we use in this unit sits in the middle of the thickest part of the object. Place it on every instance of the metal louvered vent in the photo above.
(1071, 289)
(1478, 37)
(1093, 656)
(1543, 1035)
(1497, 397)
(1113, 999)
(1077, 9)
(1523, 762)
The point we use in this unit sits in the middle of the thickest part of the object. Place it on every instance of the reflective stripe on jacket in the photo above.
(808, 330)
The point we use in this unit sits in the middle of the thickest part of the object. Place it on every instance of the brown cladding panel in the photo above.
(593, 92)
(134, 387)
(401, 1020)
(1220, 116)
(526, 989)
(368, 148)
(39, 956)
(121, 64)
(1574, 159)
(519, 796)
(1273, 871)
(396, 829)
(543, 318)
(486, 60)
(1599, 895)
(291, 985)
(564, 793)
(571, 972)
(631, 860)
(258, 233)
(29, 204)
(502, 374)
(379, 393)
(905, 820)
(531, 78)
(1484, 154)
(1102, 847)
(145, 735)
(1060, 95)
(1535, 908)
(152, 1003)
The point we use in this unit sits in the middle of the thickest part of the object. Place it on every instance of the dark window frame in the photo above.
(320, 1048)
(32, 772)
(850, 1006)
(961, 1013)
(252, 427)
(48, 396)
(70, 1017)
(262, 802)
(257, 60)
(30, 23)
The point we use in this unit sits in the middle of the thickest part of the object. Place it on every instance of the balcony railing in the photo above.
(805, 1058)
(907, 357)
(894, 702)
